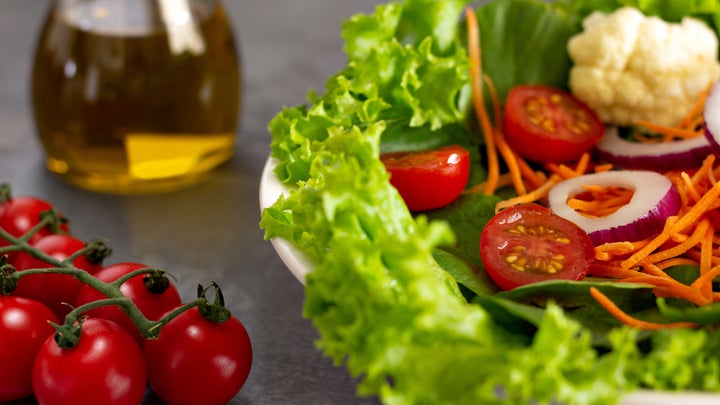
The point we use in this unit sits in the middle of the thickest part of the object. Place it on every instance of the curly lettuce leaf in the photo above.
(405, 71)
(681, 359)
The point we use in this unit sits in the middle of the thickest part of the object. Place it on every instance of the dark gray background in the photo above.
(209, 232)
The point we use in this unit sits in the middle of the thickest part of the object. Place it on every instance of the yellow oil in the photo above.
(117, 110)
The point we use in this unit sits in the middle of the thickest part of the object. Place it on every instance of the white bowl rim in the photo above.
(270, 190)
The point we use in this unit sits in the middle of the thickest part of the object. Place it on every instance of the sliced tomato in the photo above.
(529, 243)
(545, 124)
(429, 179)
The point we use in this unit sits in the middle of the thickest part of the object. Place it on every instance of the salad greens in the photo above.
(400, 300)
(669, 10)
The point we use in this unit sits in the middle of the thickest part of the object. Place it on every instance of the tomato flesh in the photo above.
(548, 125)
(529, 243)
(428, 179)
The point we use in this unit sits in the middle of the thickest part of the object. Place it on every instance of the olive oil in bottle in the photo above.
(136, 96)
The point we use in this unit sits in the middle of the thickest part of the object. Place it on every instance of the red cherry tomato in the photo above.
(105, 367)
(23, 329)
(151, 302)
(54, 290)
(196, 361)
(20, 214)
(429, 179)
(548, 125)
(529, 243)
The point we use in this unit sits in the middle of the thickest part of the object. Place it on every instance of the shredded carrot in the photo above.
(706, 263)
(511, 159)
(603, 168)
(497, 113)
(694, 213)
(566, 171)
(600, 201)
(478, 101)
(613, 249)
(705, 170)
(582, 164)
(689, 126)
(625, 318)
(706, 278)
(677, 261)
(651, 246)
(691, 118)
(599, 269)
(503, 180)
(534, 178)
(690, 190)
(533, 196)
(670, 133)
(495, 142)
(682, 247)
(563, 171)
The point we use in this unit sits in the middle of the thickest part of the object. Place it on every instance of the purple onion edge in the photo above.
(710, 136)
(670, 161)
(648, 226)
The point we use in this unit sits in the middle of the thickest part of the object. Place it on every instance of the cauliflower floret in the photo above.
(631, 67)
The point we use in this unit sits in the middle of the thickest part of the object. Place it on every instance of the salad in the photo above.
(403, 300)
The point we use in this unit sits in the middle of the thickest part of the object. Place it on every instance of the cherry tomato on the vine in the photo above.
(529, 243)
(106, 366)
(54, 290)
(549, 125)
(153, 300)
(20, 214)
(198, 361)
(23, 329)
(428, 179)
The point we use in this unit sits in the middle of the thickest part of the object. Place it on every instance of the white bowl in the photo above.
(270, 191)
(299, 265)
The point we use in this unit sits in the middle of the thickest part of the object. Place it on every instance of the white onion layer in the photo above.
(711, 116)
(663, 156)
(654, 199)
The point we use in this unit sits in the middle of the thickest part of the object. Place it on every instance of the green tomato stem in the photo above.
(148, 328)
(154, 330)
(68, 333)
(8, 249)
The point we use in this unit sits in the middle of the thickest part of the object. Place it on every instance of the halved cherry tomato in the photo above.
(545, 124)
(529, 243)
(428, 179)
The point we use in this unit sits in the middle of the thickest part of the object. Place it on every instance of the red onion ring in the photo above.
(654, 199)
(711, 117)
(664, 156)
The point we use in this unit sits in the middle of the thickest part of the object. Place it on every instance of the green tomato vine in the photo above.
(68, 333)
